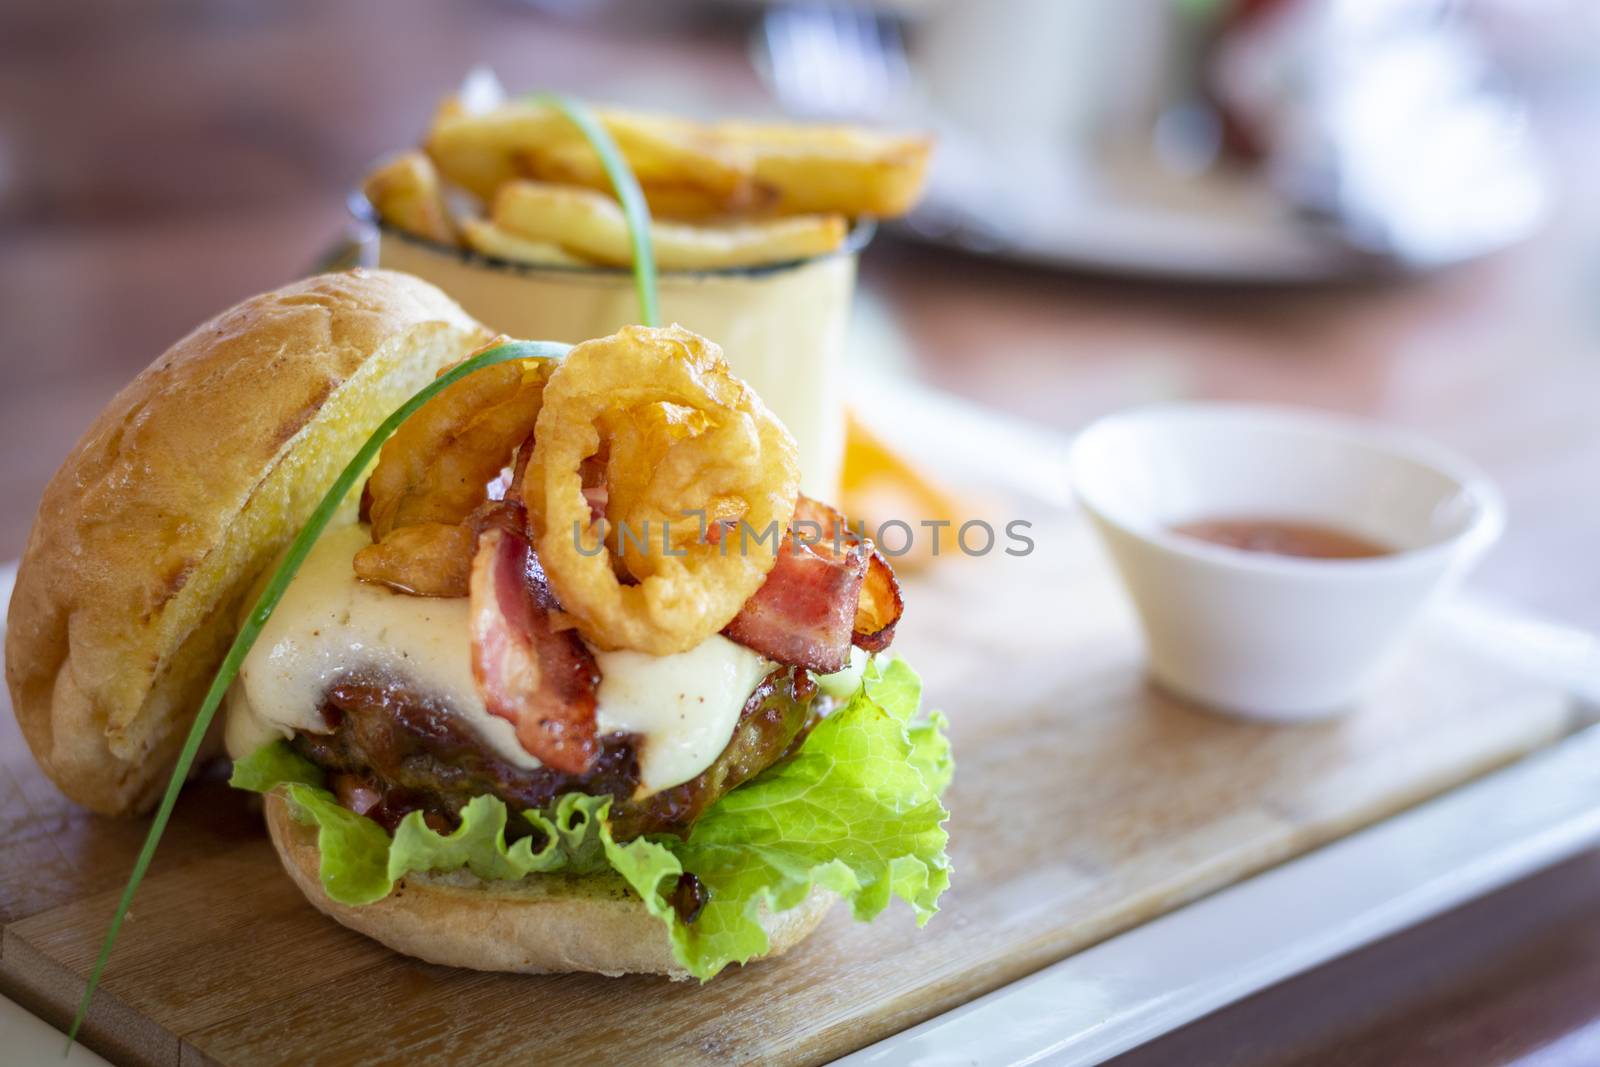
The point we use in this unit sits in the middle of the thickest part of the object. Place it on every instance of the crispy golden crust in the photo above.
(184, 488)
(545, 924)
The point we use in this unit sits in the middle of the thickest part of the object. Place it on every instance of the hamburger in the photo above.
(576, 681)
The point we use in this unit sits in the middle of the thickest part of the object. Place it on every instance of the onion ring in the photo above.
(424, 559)
(734, 455)
(438, 465)
(435, 473)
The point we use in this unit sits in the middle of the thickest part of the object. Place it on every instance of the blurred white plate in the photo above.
(1154, 978)
(1128, 216)
(1157, 977)
(28, 1041)
(1071, 134)
(1168, 972)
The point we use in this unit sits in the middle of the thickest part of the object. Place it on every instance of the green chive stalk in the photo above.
(626, 187)
(637, 212)
(262, 611)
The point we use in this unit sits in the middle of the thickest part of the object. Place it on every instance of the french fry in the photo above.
(820, 169)
(591, 225)
(483, 236)
(688, 170)
(480, 152)
(404, 191)
(681, 200)
(878, 483)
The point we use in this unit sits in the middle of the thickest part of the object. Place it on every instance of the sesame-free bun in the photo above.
(188, 484)
(543, 924)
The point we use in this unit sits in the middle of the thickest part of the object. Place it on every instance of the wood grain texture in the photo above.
(165, 159)
(1085, 802)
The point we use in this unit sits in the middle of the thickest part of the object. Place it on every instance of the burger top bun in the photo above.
(544, 924)
(188, 484)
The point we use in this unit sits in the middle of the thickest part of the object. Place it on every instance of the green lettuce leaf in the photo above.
(361, 862)
(353, 847)
(856, 812)
(273, 765)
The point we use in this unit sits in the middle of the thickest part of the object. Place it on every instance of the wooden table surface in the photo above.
(159, 161)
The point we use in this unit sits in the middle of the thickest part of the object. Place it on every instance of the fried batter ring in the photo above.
(681, 435)
(435, 471)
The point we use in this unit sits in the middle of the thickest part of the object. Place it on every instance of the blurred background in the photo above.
(1384, 207)
(1380, 206)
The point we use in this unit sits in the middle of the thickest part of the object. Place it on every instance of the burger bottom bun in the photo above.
(544, 924)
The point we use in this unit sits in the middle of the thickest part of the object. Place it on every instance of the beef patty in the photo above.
(391, 751)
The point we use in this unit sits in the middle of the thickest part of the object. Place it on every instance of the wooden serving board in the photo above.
(1084, 803)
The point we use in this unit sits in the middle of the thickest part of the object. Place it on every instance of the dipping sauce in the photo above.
(1279, 538)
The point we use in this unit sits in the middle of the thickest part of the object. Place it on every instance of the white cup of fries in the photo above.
(755, 230)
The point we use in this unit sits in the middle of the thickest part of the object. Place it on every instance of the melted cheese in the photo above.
(330, 626)
(842, 684)
(686, 705)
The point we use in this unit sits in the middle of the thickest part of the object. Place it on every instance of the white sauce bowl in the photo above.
(1267, 636)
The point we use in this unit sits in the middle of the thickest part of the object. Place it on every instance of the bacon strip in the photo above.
(540, 679)
(828, 589)
(880, 606)
(803, 613)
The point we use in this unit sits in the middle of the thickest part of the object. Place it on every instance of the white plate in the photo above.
(1132, 220)
(1188, 963)
(1170, 971)
(29, 1041)
(1177, 968)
